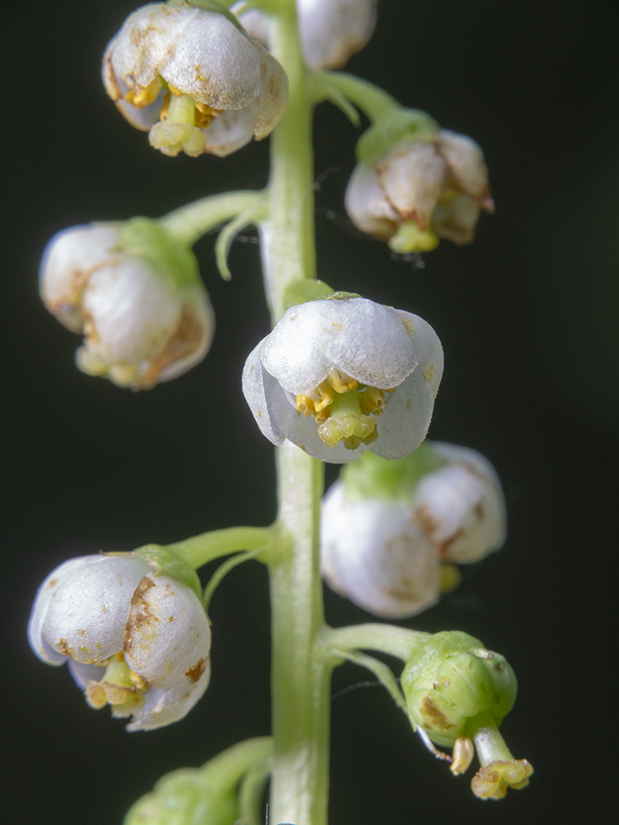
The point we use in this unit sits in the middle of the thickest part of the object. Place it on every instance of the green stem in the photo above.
(288, 246)
(299, 682)
(374, 102)
(188, 223)
(397, 641)
(201, 549)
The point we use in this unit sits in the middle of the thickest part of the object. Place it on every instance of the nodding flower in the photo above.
(193, 79)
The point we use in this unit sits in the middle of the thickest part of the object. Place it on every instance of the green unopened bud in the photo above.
(457, 694)
(208, 794)
(450, 680)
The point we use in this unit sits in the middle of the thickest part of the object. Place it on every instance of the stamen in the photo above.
(372, 401)
(145, 97)
(463, 752)
(341, 382)
(315, 401)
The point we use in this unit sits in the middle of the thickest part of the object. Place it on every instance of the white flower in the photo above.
(331, 30)
(437, 185)
(143, 321)
(193, 78)
(375, 555)
(331, 367)
(137, 641)
(461, 505)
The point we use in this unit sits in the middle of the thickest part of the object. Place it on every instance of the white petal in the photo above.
(85, 673)
(167, 639)
(162, 707)
(132, 310)
(263, 393)
(427, 348)
(192, 337)
(461, 505)
(373, 554)
(231, 130)
(405, 419)
(366, 340)
(465, 162)
(456, 219)
(69, 259)
(367, 204)
(412, 175)
(85, 616)
(333, 30)
(272, 96)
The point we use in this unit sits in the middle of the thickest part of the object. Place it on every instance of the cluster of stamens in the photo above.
(203, 114)
(120, 687)
(342, 408)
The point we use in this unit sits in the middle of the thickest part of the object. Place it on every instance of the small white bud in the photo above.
(179, 70)
(331, 31)
(461, 505)
(143, 321)
(343, 375)
(138, 641)
(438, 185)
(373, 553)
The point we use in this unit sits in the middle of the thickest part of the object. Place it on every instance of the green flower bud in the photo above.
(452, 679)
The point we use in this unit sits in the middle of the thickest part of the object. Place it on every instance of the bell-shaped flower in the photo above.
(194, 79)
(373, 554)
(420, 191)
(343, 375)
(135, 640)
(460, 505)
(136, 296)
(331, 31)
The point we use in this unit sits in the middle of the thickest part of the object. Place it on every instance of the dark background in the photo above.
(527, 316)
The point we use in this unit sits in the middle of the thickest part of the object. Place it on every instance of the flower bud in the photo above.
(194, 79)
(460, 505)
(372, 553)
(331, 31)
(450, 680)
(132, 637)
(135, 294)
(420, 190)
(331, 368)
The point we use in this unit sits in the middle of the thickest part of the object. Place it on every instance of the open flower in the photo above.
(194, 79)
(133, 639)
(331, 31)
(420, 191)
(136, 296)
(373, 554)
(343, 375)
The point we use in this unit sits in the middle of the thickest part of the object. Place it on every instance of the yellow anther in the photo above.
(463, 752)
(205, 115)
(341, 382)
(316, 400)
(145, 96)
(372, 401)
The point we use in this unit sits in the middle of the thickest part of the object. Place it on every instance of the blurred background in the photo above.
(528, 318)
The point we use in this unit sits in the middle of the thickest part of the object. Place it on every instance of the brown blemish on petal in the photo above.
(186, 339)
(63, 647)
(194, 673)
(434, 715)
(140, 618)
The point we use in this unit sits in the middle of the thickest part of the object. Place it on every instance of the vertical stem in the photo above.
(299, 680)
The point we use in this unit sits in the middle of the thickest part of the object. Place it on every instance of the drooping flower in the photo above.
(135, 294)
(390, 530)
(331, 31)
(343, 375)
(420, 191)
(133, 639)
(373, 554)
(194, 79)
